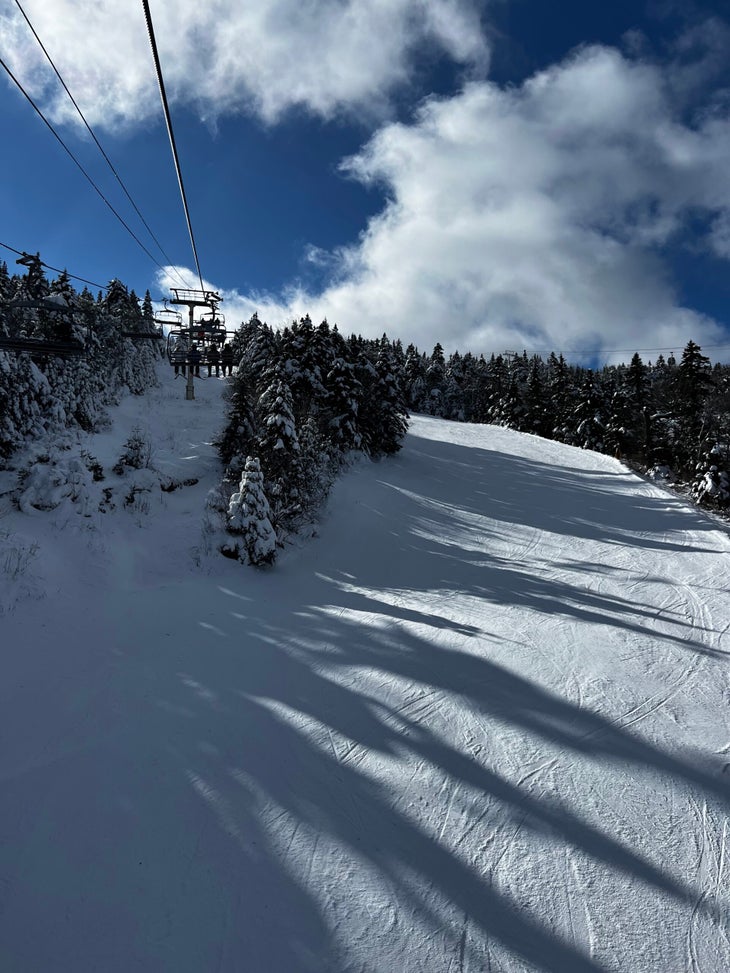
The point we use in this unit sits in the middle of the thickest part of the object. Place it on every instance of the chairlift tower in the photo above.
(192, 299)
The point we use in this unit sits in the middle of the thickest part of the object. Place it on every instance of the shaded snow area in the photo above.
(481, 722)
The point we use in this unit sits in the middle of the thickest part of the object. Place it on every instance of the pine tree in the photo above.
(148, 312)
(382, 414)
(535, 411)
(588, 420)
(497, 384)
(435, 379)
(683, 429)
(415, 379)
(343, 394)
(560, 397)
(236, 440)
(5, 289)
(277, 444)
(693, 381)
(249, 518)
(258, 351)
(302, 354)
(475, 389)
(320, 464)
(619, 438)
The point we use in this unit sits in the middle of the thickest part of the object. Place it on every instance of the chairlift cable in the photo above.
(23, 253)
(171, 134)
(78, 164)
(96, 141)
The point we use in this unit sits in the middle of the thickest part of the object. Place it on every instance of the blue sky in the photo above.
(491, 175)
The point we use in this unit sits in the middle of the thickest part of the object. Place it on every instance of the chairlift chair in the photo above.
(210, 328)
(167, 318)
(175, 338)
(45, 347)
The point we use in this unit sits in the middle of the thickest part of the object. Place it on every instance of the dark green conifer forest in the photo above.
(304, 399)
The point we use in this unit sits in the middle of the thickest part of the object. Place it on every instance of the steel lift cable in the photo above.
(171, 134)
(96, 141)
(23, 253)
(78, 164)
(58, 270)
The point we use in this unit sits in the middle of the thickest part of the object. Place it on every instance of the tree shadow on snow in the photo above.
(263, 726)
(255, 778)
(285, 723)
(579, 503)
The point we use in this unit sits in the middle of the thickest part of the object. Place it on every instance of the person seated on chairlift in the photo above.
(179, 357)
(227, 358)
(194, 358)
(213, 359)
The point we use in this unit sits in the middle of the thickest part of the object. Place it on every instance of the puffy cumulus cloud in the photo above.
(326, 56)
(535, 217)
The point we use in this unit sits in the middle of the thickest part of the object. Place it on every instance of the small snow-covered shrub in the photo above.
(43, 486)
(15, 555)
(16, 570)
(144, 485)
(712, 488)
(137, 453)
(78, 478)
(214, 538)
(217, 500)
(106, 504)
(50, 480)
(661, 472)
(169, 484)
(93, 465)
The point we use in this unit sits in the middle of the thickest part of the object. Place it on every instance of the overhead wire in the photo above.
(593, 351)
(171, 134)
(23, 253)
(78, 164)
(96, 141)
(59, 270)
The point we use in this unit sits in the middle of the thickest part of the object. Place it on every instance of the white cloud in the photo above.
(533, 217)
(235, 307)
(326, 56)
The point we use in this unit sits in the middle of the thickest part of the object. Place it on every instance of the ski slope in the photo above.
(480, 722)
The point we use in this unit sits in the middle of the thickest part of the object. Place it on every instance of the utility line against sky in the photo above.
(23, 253)
(96, 141)
(78, 164)
(171, 134)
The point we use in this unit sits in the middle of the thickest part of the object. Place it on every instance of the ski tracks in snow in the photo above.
(707, 946)
(474, 738)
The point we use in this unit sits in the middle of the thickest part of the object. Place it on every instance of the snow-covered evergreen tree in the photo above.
(249, 518)
(588, 419)
(414, 371)
(391, 411)
(277, 444)
(343, 393)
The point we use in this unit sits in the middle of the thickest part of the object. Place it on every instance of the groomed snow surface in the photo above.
(481, 722)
